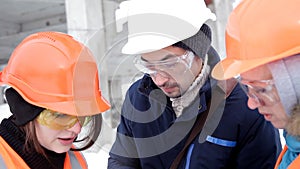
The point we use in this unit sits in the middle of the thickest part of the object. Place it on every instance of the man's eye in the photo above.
(150, 67)
(261, 90)
(170, 65)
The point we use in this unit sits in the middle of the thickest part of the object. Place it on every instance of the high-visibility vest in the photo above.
(9, 159)
(294, 165)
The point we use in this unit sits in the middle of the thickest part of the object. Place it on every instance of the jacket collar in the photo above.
(146, 85)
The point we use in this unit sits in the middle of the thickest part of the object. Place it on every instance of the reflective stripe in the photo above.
(221, 142)
(74, 161)
(2, 163)
(188, 156)
(10, 158)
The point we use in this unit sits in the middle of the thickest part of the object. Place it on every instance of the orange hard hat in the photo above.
(259, 32)
(54, 71)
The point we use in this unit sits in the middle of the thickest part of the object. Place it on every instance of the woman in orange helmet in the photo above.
(263, 51)
(54, 92)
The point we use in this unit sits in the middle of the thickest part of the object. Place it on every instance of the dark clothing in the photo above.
(16, 139)
(23, 112)
(150, 135)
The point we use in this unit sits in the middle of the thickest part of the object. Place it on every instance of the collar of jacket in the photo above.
(146, 85)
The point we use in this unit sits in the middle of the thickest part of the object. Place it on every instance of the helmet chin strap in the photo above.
(287, 81)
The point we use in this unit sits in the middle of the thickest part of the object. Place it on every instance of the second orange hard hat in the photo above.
(54, 71)
(259, 32)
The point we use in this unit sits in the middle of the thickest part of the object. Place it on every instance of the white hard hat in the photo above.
(155, 24)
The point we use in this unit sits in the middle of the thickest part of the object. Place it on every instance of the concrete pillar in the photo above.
(86, 23)
(222, 9)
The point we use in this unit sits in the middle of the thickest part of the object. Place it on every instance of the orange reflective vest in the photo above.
(294, 165)
(9, 159)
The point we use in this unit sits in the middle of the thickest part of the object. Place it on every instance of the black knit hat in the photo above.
(22, 111)
(199, 43)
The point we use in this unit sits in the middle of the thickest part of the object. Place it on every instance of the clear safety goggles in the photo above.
(263, 91)
(172, 65)
(59, 121)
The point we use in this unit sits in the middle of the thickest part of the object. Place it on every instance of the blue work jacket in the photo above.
(150, 136)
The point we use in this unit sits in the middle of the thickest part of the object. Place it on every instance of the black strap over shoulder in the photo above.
(224, 88)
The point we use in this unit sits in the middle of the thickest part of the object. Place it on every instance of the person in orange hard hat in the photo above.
(54, 92)
(263, 53)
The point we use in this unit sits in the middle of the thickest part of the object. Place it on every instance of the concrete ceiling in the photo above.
(19, 18)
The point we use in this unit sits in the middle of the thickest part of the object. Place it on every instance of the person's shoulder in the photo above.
(141, 87)
(143, 82)
(134, 86)
(236, 105)
(137, 93)
(237, 95)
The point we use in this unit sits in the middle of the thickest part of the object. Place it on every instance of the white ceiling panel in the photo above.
(19, 18)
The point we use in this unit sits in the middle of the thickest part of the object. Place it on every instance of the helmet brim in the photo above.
(230, 67)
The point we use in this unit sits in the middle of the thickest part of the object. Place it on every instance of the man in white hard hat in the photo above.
(176, 116)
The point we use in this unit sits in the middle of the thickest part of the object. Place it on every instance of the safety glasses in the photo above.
(59, 121)
(174, 64)
(263, 91)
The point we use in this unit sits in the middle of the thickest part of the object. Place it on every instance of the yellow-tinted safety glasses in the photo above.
(59, 121)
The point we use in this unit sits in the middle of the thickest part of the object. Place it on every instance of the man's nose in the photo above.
(159, 79)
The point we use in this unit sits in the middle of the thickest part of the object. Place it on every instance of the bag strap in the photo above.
(227, 87)
(195, 131)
